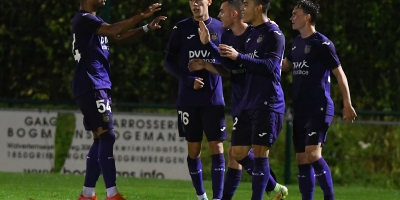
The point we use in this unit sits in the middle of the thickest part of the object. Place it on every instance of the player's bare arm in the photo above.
(204, 33)
(228, 51)
(349, 114)
(113, 31)
(199, 64)
(286, 65)
(134, 34)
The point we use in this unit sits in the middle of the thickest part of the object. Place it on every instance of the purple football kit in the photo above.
(263, 101)
(238, 82)
(91, 86)
(243, 129)
(91, 82)
(313, 58)
(198, 110)
(201, 109)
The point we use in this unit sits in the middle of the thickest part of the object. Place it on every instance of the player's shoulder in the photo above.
(321, 39)
(297, 38)
(215, 21)
(183, 24)
(184, 21)
(215, 25)
(82, 18)
(268, 29)
(84, 14)
(273, 32)
(274, 29)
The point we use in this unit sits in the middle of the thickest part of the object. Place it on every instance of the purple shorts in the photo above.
(258, 127)
(192, 121)
(96, 109)
(310, 130)
(241, 130)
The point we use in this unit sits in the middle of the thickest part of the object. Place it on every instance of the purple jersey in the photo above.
(91, 53)
(238, 71)
(262, 58)
(313, 58)
(185, 45)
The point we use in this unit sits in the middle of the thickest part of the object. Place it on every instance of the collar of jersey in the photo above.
(207, 22)
(263, 25)
(312, 35)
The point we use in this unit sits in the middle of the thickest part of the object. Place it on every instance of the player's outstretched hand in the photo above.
(349, 114)
(155, 23)
(196, 64)
(198, 83)
(151, 9)
(228, 51)
(204, 33)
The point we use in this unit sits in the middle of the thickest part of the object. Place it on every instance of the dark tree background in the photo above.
(37, 62)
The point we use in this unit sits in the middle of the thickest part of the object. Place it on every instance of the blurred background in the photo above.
(37, 67)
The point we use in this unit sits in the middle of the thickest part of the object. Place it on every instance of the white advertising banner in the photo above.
(145, 147)
(27, 141)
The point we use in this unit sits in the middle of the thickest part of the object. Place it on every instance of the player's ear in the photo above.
(235, 13)
(308, 17)
(259, 8)
(209, 2)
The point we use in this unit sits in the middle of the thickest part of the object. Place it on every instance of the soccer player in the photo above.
(236, 35)
(91, 86)
(263, 103)
(200, 102)
(312, 58)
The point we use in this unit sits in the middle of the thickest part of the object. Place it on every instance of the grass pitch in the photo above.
(19, 186)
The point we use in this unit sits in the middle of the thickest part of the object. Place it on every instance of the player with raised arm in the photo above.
(236, 35)
(91, 86)
(312, 58)
(200, 102)
(263, 104)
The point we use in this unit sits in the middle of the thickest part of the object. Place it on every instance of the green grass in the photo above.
(19, 186)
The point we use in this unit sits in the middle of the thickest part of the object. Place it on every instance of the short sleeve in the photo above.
(89, 23)
(329, 55)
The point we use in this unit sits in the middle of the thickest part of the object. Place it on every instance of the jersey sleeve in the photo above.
(213, 48)
(275, 46)
(89, 23)
(288, 55)
(272, 55)
(329, 55)
(171, 59)
(174, 44)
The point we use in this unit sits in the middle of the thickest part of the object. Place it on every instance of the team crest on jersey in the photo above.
(214, 36)
(106, 118)
(307, 49)
(260, 38)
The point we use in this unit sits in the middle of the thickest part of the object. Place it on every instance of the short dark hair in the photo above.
(235, 4)
(266, 4)
(309, 7)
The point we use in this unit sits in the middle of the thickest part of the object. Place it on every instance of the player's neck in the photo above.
(89, 9)
(307, 31)
(239, 28)
(261, 19)
(201, 18)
